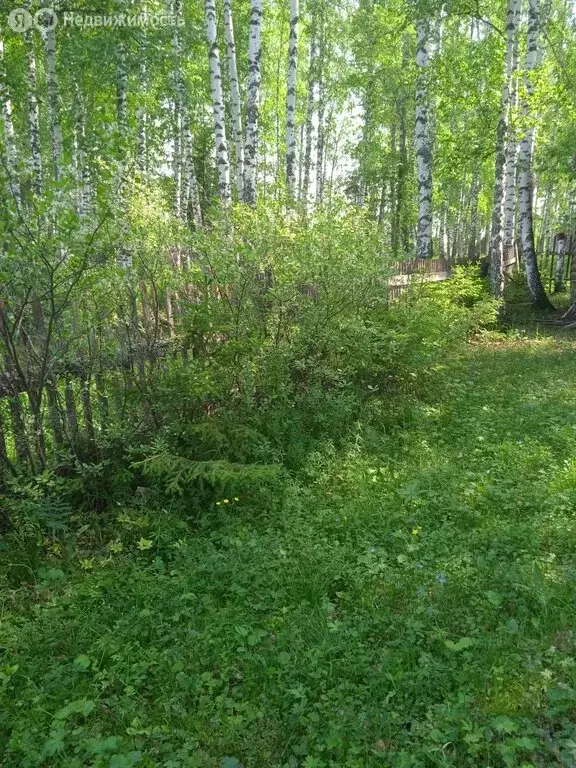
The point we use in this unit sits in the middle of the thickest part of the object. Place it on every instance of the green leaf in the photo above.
(79, 707)
(504, 724)
(461, 645)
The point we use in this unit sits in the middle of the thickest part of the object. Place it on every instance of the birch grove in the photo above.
(444, 127)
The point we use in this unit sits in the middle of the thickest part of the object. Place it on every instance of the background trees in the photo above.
(119, 140)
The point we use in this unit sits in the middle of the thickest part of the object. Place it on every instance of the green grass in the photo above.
(412, 603)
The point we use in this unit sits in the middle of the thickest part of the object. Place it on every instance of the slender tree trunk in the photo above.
(423, 142)
(508, 242)
(474, 223)
(526, 182)
(401, 237)
(252, 110)
(9, 137)
(82, 174)
(177, 158)
(49, 37)
(33, 116)
(496, 241)
(235, 102)
(142, 121)
(321, 105)
(217, 104)
(186, 198)
(312, 76)
(291, 101)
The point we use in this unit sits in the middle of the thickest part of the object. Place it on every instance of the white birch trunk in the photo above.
(82, 173)
(49, 37)
(33, 117)
(217, 104)
(9, 136)
(511, 153)
(321, 110)
(423, 143)
(186, 186)
(142, 120)
(525, 179)
(292, 80)
(122, 91)
(191, 197)
(252, 108)
(496, 232)
(235, 102)
(177, 158)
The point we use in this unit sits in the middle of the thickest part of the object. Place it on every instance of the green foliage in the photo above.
(410, 606)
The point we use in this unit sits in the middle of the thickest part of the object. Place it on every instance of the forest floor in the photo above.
(413, 604)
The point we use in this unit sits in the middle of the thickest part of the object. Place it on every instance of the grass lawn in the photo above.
(411, 602)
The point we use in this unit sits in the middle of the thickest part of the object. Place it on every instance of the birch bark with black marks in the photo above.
(49, 38)
(11, 152)
(81, 169)
(321, 106)
(423, 141)
(33, 116)
(292, 80)
(496, 252)
(217, 104)
(509, 229)
(235, 102)
(187, 184)
(252, 106)
(525, 179)
(142, 121)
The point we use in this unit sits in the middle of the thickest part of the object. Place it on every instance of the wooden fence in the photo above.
(68, 405)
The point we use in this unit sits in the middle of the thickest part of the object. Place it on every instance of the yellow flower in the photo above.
(236, 498)
(218, 503)
(143, 544)
(226, 501)
(416, 531)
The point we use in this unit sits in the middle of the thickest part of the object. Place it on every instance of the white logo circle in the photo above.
(45, 19)
(20, 20)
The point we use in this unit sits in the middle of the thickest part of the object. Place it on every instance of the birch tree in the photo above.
(310, 108)
(252, 109)
(217, 104)
(321, 105)
(11, 152)
(291, 100)
(525, 180)
(509, 228)
(33, 115)
(496, 234)
(235, 102)
(49, 37)
(423, 141)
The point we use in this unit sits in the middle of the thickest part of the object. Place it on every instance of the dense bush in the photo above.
(283, 330)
